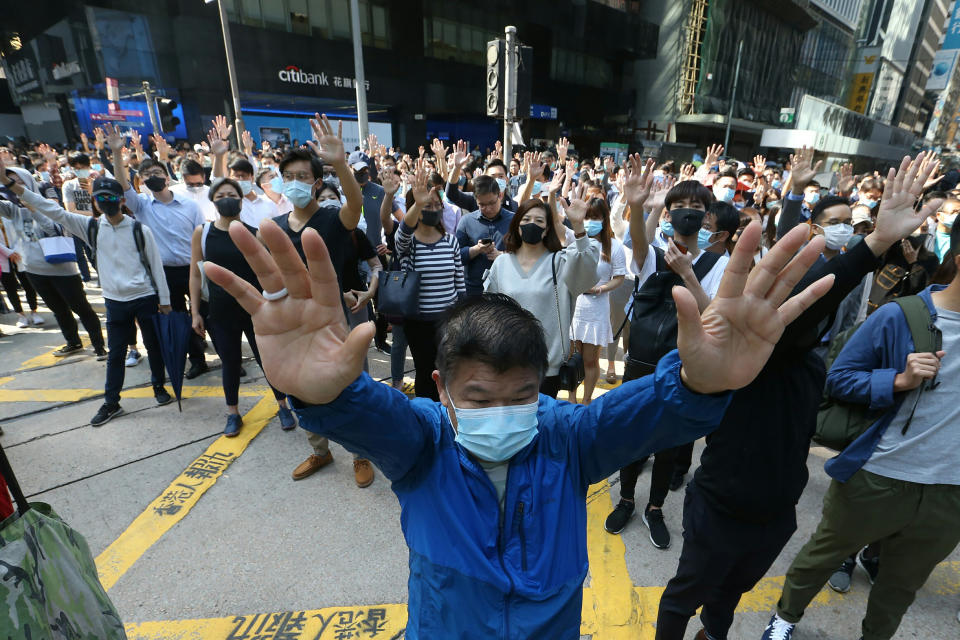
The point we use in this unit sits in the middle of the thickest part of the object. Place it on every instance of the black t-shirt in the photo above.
(358, 250)
(328, 225)
(220, 249)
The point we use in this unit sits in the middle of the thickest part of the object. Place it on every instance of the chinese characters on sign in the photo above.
(294, 75)
(340, 624)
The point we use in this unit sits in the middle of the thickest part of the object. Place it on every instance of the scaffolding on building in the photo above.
(693, 32)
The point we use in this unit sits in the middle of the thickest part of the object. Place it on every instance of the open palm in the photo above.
(305, 347)
(329, 146)
(898, 217)
(726, 347)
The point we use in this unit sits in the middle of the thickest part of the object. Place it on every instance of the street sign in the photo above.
(108, 117)
(113, 90)
(114, 109)
(787, 114)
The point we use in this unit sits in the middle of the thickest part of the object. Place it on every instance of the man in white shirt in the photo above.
(194, 187)
(271, 184)
(256, 208)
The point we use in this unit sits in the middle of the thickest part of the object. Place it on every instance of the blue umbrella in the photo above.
(173, 333)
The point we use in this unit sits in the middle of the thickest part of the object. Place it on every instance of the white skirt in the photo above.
(591, 320)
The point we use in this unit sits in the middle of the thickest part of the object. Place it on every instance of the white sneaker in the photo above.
(778, 629)
(36, 319)
(22, 322)
(133, 358)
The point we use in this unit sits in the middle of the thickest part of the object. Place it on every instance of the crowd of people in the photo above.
(725, 287)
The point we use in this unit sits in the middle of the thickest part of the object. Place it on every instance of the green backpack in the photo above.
(839, 423)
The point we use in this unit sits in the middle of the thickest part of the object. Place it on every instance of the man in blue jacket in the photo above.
(492, 479)
(899, 482)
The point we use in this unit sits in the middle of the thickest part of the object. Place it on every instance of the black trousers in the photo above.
(684, 458)
(64, 296)
(178, 281)
(10, 279)
(722, 558)
(422, 339)
(663, 461)
(227, 336)
(120, 318)
(550, 386)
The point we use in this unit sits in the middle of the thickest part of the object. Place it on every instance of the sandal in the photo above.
(611, 377)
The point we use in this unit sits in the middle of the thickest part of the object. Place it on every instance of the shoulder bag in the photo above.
(571, 370)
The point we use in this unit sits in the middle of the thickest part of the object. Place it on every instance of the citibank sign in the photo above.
(296, 76)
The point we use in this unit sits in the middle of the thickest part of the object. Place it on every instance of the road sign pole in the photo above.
(509, 90)
(733, 99)
(151, 107)
(358, 72)
(231, 74)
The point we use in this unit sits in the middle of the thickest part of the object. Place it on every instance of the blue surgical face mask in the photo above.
(97, 167)
(83, 173)
(869, 203)
(813, 198)
(246, 186)
(724, 194)
(276, 184)
(776, 184)
(537, 187)
(773, 203)
(666, 228)
(496, 434)
(593, 227)
(299, 193)
(703, 239)
(502, 184)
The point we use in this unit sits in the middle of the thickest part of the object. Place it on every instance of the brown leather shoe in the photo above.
(702, 635)
(311, 465)
(363, 472)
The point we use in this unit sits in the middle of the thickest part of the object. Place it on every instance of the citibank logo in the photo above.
(295, 75)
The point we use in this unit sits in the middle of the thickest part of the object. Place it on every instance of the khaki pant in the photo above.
(917, 527)
(321, 446)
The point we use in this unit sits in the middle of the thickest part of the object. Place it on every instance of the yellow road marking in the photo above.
(72, 395)
(48, 359)
(175, 502)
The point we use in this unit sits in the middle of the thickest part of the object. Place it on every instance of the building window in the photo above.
(299, 16)
(329, 19)
(274, 14)
(251, 12)
(449, 40)
(580, 68)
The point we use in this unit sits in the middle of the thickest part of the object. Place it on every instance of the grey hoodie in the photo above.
(122, 275)
(24, 229)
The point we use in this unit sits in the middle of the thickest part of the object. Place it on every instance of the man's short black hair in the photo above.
(728, 172)
(484, 185)
(78, 159)
(147, 163)
(728, 218)
(689, 189)
(496, 162)
(813, 183)
(242, 165)
(825, 203)
(746, 171)
(494, 329)
(297, 155)
(192, 168)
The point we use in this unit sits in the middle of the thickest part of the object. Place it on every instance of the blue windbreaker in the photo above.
(863, 373)
(474, 574)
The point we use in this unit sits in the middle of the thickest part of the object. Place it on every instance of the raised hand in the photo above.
(328, 145)
(576, 212)
(421, 187)
(898, 217)
(307, 351)
(638, 181)
(557, 181)
(86, 141)
(222, 128)
(218, 145)
(563, 145)
(845, 178)
(438, 148)
(536, 166)
(802, 169)
(461, 155)
(497, 150)
(714, 152)
(247, 139)
(934, 178)
(390, 182)
(759, 190)
(113, 137)
(99, 138)
(726, 347)
(759, 164)
(163, 149)
(371, 142)
(687, 171)
(47, 152)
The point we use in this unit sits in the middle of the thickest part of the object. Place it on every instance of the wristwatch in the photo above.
(581, 234)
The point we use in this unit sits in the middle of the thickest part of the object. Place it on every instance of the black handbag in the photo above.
(398, 292)
(571, 370)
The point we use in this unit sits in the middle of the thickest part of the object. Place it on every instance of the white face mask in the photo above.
(837, 236)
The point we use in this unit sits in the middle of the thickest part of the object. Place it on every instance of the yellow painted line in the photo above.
(333, 623)
(5, 380)
(175, 502)
(48, 359)
(73, 395)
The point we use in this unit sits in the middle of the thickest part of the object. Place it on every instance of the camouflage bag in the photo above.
(49, 587)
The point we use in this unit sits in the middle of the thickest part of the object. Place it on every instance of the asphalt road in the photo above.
(197, 536)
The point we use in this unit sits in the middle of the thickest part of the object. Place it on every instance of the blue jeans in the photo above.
(120, 324)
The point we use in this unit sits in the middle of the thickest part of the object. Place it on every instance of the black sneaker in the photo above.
(676, 480)
(383, 347)
(619, 517)
(872, 567)
(162, 396)
(659, 535)
(196, 369)
(67, 350)
(105, 414)
(243, 372)
(101, 353)
(840, 580)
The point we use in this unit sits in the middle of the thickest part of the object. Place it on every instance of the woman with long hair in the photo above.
(537, 272)
(591, 328)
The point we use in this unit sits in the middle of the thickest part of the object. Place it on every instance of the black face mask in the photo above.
(362, 176)
(431, 218)
(155, 183)
(228, 207)
(108, 208)
(686, 222)
(531, 233)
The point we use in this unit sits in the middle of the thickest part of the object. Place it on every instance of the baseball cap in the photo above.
(107, 185)
(358, 160)
(859, 215)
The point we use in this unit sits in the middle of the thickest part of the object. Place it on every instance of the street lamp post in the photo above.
(358, 72)
(509, 89)
(225, 26)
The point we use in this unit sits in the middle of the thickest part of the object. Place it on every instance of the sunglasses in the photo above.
(107, 198)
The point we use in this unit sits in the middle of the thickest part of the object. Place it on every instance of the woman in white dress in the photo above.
(591, 328)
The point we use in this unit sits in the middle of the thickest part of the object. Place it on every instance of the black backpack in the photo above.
(653, 320)
(93, 229)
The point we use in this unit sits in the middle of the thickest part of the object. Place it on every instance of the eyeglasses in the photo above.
(105, 197)
(303, 176)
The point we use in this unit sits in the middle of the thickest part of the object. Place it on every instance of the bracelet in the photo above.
(581, 234)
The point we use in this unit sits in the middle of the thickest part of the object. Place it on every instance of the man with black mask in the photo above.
(131, 275)
(372, 195)
(682, 263)
(172, 217)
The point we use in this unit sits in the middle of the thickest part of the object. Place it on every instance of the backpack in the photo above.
(653, 320)
(93, 229)
(839, 423)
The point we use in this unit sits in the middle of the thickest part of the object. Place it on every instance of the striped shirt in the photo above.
(439, 266)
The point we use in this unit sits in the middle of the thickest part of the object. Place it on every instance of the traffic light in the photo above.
(168, 121)
(496, 79)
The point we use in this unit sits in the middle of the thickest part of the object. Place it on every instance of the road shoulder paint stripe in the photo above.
(175, 502)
